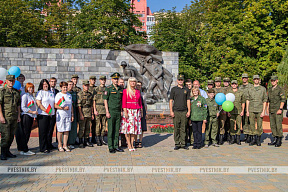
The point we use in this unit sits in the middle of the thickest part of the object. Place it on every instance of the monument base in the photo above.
(159, 113)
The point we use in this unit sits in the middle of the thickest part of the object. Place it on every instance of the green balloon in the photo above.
(228, 106)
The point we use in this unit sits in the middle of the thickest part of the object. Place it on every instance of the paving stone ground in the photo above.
(157, 151)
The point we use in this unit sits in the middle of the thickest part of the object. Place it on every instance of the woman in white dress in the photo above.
(64, 116)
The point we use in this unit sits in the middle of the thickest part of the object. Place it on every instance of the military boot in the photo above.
(81, 143)
(274, 141)
(238, 140)
(103, 141)
(248, 140)
(245, 137)
(232, 139)
(3, 153)
(87, 143)
(98, 141)
(253, 141)
(258, 140)
(93, 140)
(278, 142)
(9, 154)
(221, 137)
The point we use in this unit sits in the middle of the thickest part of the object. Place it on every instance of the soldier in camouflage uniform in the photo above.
(256, 104)
(245, 120)
(9, 115)
(227, 88)
(236, 114)
(210, 84)
(276, 99)
(86, 114)
(100, 112)
(74, 79)
(92, 87)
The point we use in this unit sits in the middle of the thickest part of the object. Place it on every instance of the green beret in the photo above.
(74, 76)
(85, 82)
(244, 75)
(102, 77)
(211, 91)
(234, 82)
(226, 79)
(92, 77)
(217, 79)
(10, 77)
(256, 77)
(180, 77)
(115, 76)
(274, 78)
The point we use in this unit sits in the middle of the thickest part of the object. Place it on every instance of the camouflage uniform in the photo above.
(84, 100)
(93, 122)
(101, 118)
(10, 103)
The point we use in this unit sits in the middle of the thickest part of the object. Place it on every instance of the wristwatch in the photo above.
(281, 109)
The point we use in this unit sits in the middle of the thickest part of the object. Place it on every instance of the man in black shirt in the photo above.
(180, 111)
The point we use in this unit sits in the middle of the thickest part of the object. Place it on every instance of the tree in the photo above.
(282, 71)
(105, 25)
(20, 26)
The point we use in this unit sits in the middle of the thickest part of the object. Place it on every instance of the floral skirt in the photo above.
(132, 125)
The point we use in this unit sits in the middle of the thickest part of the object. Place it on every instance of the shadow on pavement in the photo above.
(151, 140)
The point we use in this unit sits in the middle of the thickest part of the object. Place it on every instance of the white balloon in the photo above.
(230, 97)
(3, 73)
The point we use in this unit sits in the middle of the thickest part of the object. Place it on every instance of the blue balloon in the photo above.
(17, 85)
(220, 98)
(14, 70)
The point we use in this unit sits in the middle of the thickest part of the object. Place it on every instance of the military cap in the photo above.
(180, 77)
(85, 82)
(226, 79)
(102, 77)
(74, 76)
(256, 77)
(10, 77)
(244, 75)
(217, 79)
(274, 78)
(234, 82)
(211, 91)
(210, 82)
(115, 75)
(92, 77)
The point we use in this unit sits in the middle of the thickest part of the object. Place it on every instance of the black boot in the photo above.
(238, 140)
(229, 138)
(98, 141)
(221, 137)
(245, 137)
(278, 142)
(81, 143)
(3, 153)
(274, 141)
(232, 139)
(258, 140)
(87, 143)
(93, 140)
(103, 141)
(9, 154)
(253, 140)
(248, 140)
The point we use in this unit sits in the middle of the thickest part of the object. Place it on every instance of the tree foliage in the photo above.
(282, 71)
(68, 23)
(225, 38)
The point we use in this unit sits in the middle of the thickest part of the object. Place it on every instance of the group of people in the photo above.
(76, 112)
(191, 107)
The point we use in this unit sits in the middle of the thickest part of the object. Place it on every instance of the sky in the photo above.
(156, 5)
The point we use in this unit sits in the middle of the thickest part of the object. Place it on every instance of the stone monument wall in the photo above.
(40, 63)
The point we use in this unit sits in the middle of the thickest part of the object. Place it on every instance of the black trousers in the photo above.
(23, 132)
(197, 133)
(44, 126)
(51, 130)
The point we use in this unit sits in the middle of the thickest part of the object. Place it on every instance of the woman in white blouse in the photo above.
(45, 102)
(29, 113)
(64, 116)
